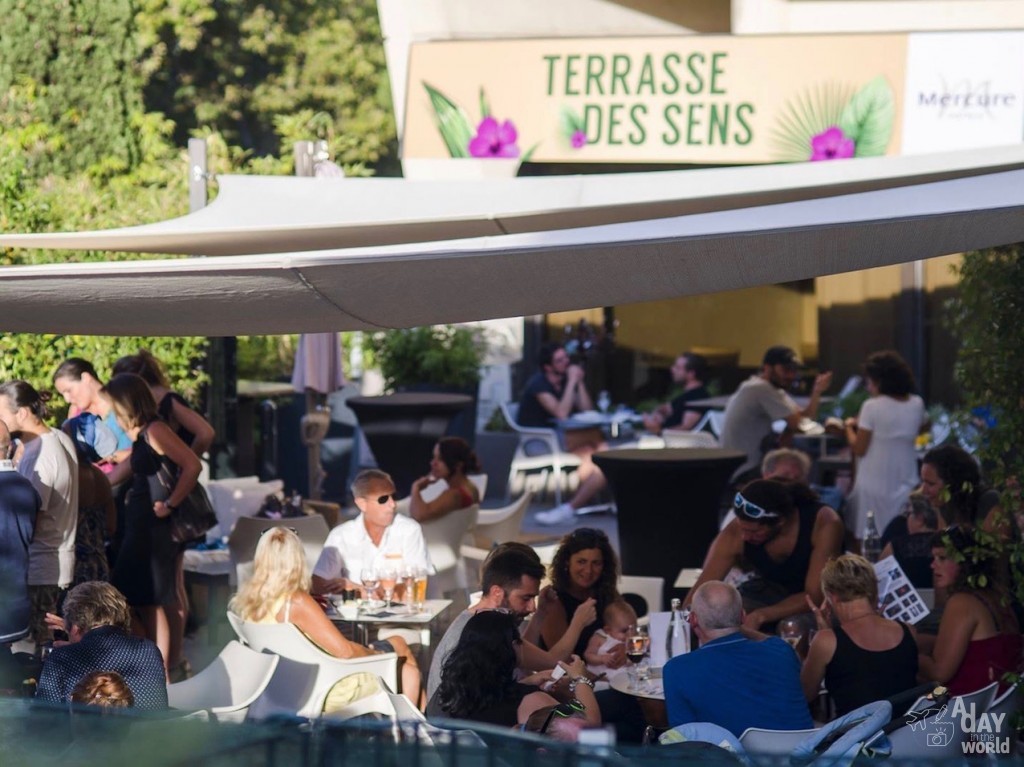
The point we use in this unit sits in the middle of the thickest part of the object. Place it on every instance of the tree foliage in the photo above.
(239, 67)
(98, 98)
(987, 316)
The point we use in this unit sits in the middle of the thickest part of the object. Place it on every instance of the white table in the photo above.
(654, 690)
(592, 419)
(395, 616)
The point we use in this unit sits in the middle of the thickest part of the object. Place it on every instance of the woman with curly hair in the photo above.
(951, 482)
(979, 636)
(882, 438)
(585, 566)
(278, 592)
(479, 682)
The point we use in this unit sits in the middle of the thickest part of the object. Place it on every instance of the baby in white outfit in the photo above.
(619, 619)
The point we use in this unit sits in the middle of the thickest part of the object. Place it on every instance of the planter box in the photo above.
(495, 449)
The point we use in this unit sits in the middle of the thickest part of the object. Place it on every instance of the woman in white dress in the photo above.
(882, 439)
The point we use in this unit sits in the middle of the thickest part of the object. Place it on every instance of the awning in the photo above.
(510, 275)
(269, 214)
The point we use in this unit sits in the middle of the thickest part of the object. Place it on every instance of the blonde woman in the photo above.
(862, 656)
(278, 592)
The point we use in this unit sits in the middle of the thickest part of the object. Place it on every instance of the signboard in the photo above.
(694, 99)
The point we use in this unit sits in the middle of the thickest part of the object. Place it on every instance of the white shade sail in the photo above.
(272, 214)
(509, 275)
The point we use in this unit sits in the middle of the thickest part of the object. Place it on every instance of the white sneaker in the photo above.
(557, 516)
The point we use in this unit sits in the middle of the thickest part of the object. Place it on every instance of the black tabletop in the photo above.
(667, 456)
(411, 400)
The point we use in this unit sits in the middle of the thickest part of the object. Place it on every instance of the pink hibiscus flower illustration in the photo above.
(494, 140)
(578, 140)
(831, 144)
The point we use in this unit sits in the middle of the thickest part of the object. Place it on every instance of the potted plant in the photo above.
(441, 358)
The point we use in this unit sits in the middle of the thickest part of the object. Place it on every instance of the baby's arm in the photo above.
(592, 655)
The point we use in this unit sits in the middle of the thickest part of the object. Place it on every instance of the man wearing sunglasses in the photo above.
(376, 537)
(783, 535)
(760, 401)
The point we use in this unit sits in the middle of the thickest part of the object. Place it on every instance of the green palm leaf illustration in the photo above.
(868, 118)
(805, 116)
(451, 121)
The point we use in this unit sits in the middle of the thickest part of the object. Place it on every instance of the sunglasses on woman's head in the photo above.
(750, 510)
(278, 527)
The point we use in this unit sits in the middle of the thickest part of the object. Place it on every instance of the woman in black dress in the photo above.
(144, 571)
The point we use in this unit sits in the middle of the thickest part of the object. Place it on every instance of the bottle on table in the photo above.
(872, 540)
(678, 640)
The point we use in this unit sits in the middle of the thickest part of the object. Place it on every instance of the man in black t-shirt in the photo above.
(690, 371)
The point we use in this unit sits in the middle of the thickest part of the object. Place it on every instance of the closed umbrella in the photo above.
(317, 372)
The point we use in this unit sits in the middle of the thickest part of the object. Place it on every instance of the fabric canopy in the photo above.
(268, 214)
(510, 275)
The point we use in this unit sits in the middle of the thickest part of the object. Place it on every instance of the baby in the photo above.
(619, 620)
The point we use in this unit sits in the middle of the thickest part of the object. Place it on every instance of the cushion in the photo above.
(232, 499)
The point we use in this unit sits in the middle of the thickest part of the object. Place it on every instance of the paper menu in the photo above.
(898, 600)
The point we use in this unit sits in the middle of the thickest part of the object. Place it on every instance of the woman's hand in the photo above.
(425, 481)
(546, 599)
(161, 509)
(585, 614)
(754, 620)
(54, 622)
(616, 657)
(822, 613)
(537, 678)
(575, 668)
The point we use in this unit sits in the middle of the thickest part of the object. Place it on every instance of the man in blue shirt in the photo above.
(735, 679)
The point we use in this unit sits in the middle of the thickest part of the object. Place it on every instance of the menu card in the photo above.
(898, 600)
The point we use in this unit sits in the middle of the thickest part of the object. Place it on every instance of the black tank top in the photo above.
(790, 573)
(856, 676)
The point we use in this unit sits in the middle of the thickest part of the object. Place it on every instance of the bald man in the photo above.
(736, 679)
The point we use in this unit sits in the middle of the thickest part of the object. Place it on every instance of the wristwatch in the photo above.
(578, 681)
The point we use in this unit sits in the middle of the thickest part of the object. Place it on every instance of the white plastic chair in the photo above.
(1008, 703)
(650, 589)
(228, 686)
(913, 741)
(756, 740)
(501, 525)
(305, 673)
(312, 531)
(550, 455)
(444, 545)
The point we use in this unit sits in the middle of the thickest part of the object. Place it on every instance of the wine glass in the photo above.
(408, 576)
(792, 631)
(637, 645)
(388, 579)
(604, 401)
(370, 580)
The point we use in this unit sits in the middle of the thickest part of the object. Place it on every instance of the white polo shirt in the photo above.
(349, 548)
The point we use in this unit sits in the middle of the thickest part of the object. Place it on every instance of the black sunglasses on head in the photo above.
(564, 711)
(275, 527)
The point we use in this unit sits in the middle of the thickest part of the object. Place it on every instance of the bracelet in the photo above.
(578, 681)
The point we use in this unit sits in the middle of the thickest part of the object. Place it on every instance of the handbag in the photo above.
(191, 518)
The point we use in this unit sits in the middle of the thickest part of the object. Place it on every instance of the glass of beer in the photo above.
(419, 599)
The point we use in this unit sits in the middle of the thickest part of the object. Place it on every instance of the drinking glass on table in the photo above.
(419, 600)
(604, 401)
(388, 580)
(791, 631)
(370, 581)
(637, 645)
(408, 576)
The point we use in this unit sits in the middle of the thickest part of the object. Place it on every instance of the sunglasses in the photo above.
(278, 527)
(563, 711)
(751, 510)
(382, 499)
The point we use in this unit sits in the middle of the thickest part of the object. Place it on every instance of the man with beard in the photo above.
(762, 399)
(511, 581)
